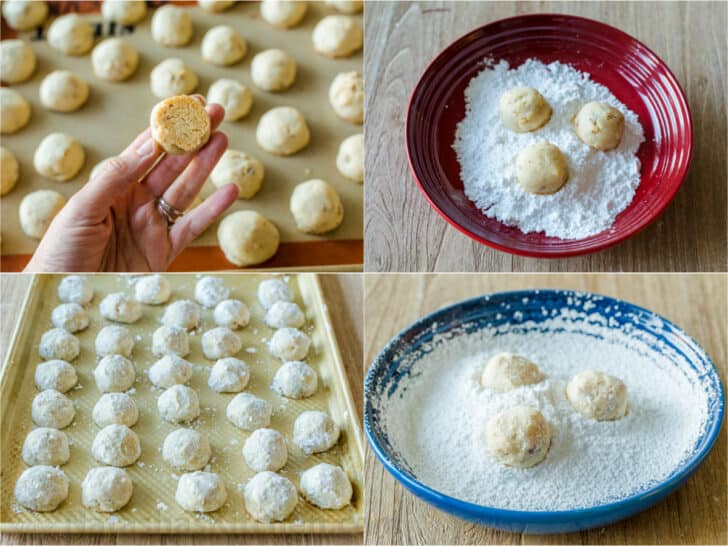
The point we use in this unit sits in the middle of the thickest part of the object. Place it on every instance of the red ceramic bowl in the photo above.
(633, 73)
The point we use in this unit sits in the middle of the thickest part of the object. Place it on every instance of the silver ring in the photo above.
(168, 211)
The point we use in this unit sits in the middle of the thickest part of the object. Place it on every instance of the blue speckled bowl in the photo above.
(397, 362)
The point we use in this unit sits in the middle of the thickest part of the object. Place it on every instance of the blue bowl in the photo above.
(398, 361)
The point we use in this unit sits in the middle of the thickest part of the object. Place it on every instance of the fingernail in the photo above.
(146, 149)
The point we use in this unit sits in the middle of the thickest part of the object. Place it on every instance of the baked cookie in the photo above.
(37, 210)
(241, 169)
(337, 36)
(63, 91)
(17, 61)
(233, 96)
(180, 124)
(25, 14)
(126, 12)
(283, 13)
(273, 70)
(346, 96)
(114, 60)
(10, 170)
(316, 207)
(14, 111)
(223, 46)
(282, 131)
(71, 35)
(247, 238)
(172, 77)
(59, 156)
(350, 158)
(215, 6)
(172, 26)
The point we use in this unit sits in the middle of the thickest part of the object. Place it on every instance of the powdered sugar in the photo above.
(601, 184)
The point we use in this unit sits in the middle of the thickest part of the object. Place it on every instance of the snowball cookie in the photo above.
(326, 486)
(180, 124)
(106, 489)
(209, 291)
(233, 96)
(220, 342)
(314, 432)
(116, 445)
(346, 96)
(75, 289)
(24, 14)
(170, 370)
(506, 371)
(249, 412)
(71, 35)
(115, 408)
(523, 109)
(223, 46)
(172, 77)
(182, 313)
(597, 395)
(63, 91)
(46, 446)
(541, 168)
(215, 6)
(284, 314)
(350, 158)
(337, 36)
(273, 70)
(114, 373)
(229, 375)
(126, 12)
(170, 340)
(17, 61)
(316, 207)
(270, 497)
(282, 131)
(10, 170)
(119, 307)
(346, 6)
(289, 344)
(599, 125)
(114, 340)
(57, 343)
(41, 488)
(233, 314)
(282, 13)
(265, 449)
(114, 60)
(246, 237)
(52, 409)
(518, 436)
(186, 449)
(59, 156)
(57, 375)
(152, 289)
(200, 492)
(14, 111)
(271, 291)
(70, 316)
(171, 26)
(179, 404)
(295, 379)
(241, 169)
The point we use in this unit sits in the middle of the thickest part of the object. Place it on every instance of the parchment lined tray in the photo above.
(152, 508)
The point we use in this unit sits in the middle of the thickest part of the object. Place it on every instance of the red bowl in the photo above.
(633, 73)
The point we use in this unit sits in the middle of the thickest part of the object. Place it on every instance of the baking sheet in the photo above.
(152, 507)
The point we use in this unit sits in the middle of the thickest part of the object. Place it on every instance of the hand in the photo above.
(113, 224)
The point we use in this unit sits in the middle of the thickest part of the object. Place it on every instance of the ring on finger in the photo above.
(171, 213)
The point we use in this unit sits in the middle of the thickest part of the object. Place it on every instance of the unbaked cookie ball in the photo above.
(71, 35)
(271, 291)
(57, 375)
(41, 488)
(523, 109)
(295, 379)
(282, 131)
(114, 340)
(315, 432)
(229, 375)
(223, 46)
(241, 169)
(209, 291)
(114, 373)
(506, 371)
(265, 449)
(518, 436)
(14, 111)
(152, 290)
(326, 486)
(170, 370)
(115, 408)
(179, 404)
(182, 313)
(114, 60)
(57, 343)
(46, 446)
(172, 77)
(346, 6)
(283, 13)
(106, 489)
(316, 207)
(273, 70)
(350, 158)
(599, 125)
(248, 412)
(270, 497)
(59, 156)
(337, 36)
(24, 14)
(247, 238)
(116, 445)
(346, 96)
(597, 395)
(541, 168)
(17, 61)
(220, 342)
(284, 314)
(289, 344)
(215, 6)
(70, 316)
(233, 96)
(10, 170)
(180, 124)
(170, 340)
(63, 91)
(186, 449)
(119, 307)
(75, 289)
(126, 12)
(232, 314)
(200, 492)
(52, 409)
(172, 26)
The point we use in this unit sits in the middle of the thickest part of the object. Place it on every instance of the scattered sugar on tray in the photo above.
(161, 506)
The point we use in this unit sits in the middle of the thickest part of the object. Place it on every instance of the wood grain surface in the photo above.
(402, 231)
(695, 514)
(343, 293)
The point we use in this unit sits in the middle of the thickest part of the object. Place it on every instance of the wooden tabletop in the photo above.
(695, 514)
(402, 231)
(343, 293)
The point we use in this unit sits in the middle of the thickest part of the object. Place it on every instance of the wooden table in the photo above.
(343, 293)
(695, 514)
(402, 231)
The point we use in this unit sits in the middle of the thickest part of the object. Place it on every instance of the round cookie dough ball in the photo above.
(316, 207)
(283, 13)
(114, 60)
(271, 291)
(114, 373)
(170, 340)
(241, 169)
(220, 342)
(315, 432)
(346, 96)
(24, 14)
(115, 408)
(10, 170)
(209, 291)
(507, 371)
(350, 158)
(57, 375)
(17, 61)
(179, 404)
(282, 131)
(229, 375)
(223, 46)
(41, 488)
(270, 497)
(295, 379)
(52, 409)
(284, 314)
(171, 26)
(265, 449)
(70, 316)
(170, 370)
(273, 70)
(180, 124)
(247, 238)
(249, 412)
(541, 168)
(46, 446)
(57, 343)
(37, 210)
(59, 156)
(518, 436)
(114, 340)
(152, 290)
(200, 492)
(119, 307)
(126, 12)
(233, 96)
(172, 77)
(14, 111)
(106, 489)
(233, 314)
(116, 445)
(215, 6)
(346, 6)
(186, 449)
(597, 395)
(599, 125)
(71, 35)
(289, 344)
(75, 289)
(523, 109)
(182, 313)
(63, 91)
(326, 486)
(337, 36)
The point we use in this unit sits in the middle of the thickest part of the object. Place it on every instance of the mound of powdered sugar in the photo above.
(601, 184)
